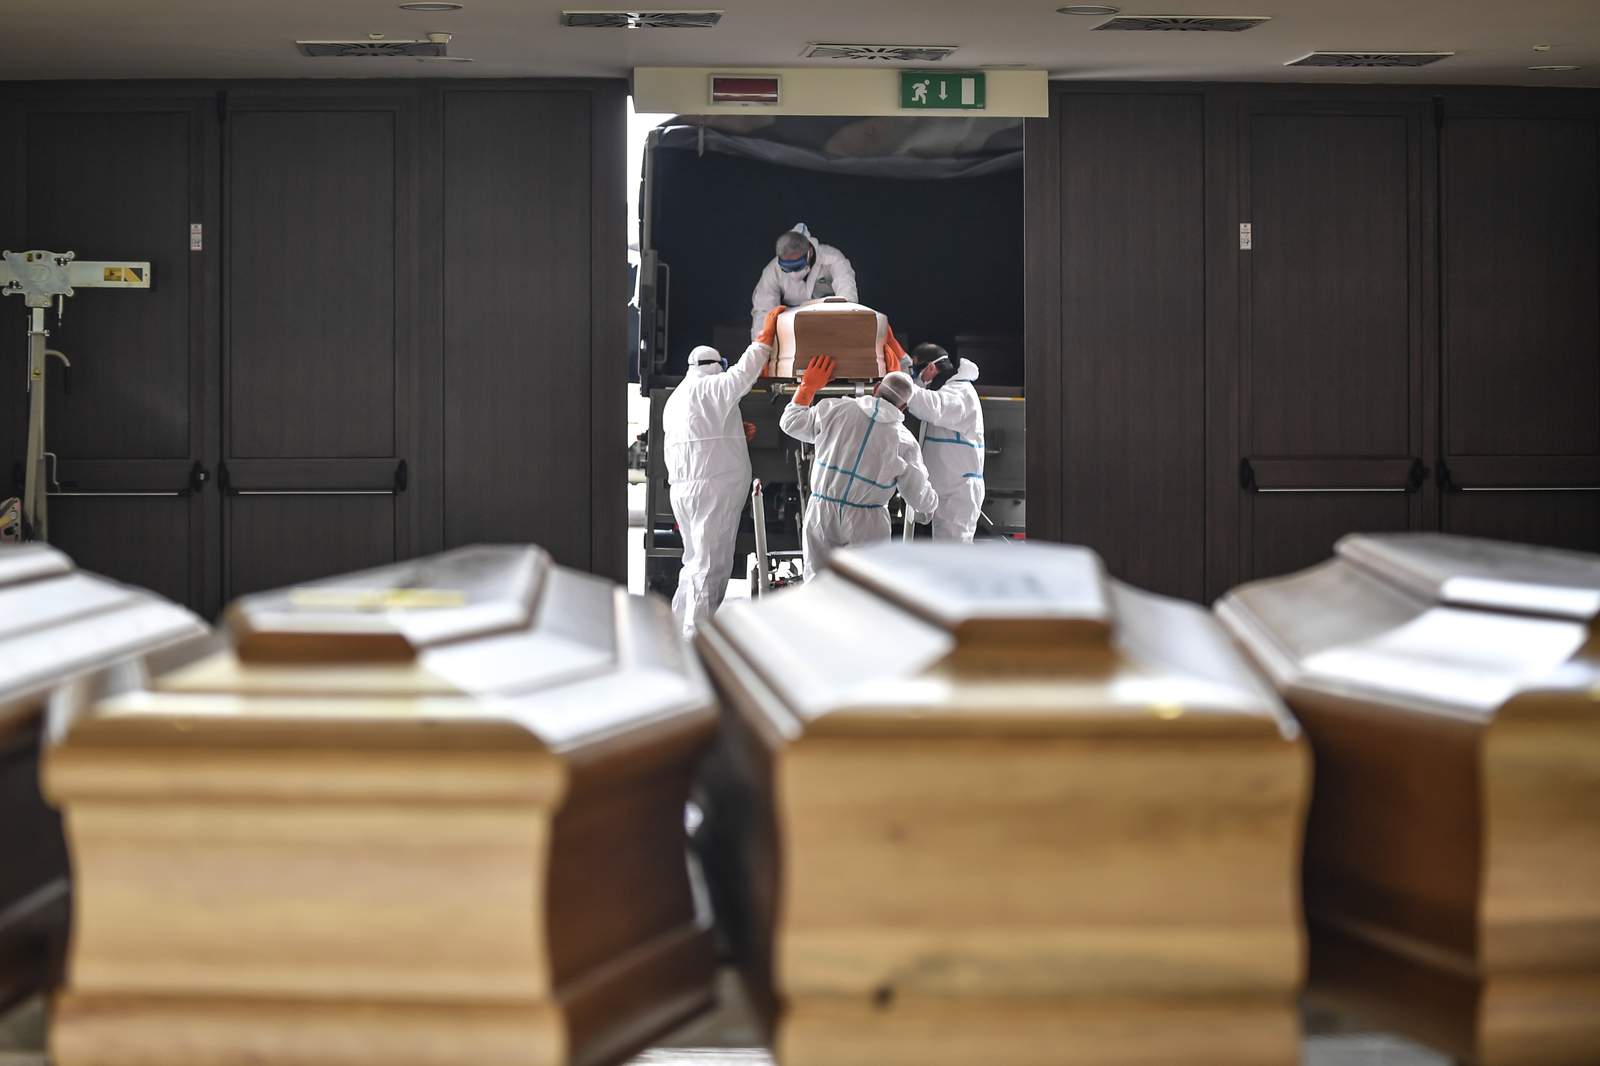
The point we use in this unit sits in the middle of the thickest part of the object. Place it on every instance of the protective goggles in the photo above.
(795, 265)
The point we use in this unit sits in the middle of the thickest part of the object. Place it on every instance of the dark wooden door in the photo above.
(1334, 326)
(533, 261)
(318, 359)
(122, 179)
(1117, 333)
(1521, 334)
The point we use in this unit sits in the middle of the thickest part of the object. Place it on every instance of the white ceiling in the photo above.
(517, 38)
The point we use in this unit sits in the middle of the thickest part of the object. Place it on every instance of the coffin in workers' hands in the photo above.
(1449, 689)
(56, 623)
(851, 334)
(979, 803)
(427, 814)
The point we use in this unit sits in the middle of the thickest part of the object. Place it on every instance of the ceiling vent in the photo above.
(641, 20)
(1368, 59)
(892, 53)
(429, 49)
(1185, 23)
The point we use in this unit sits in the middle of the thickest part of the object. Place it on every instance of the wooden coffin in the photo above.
(1449, 689)
(55, 624)
(424, 815)
(981, 804)
(852, 334)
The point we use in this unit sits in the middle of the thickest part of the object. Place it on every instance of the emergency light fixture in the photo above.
(746, 90)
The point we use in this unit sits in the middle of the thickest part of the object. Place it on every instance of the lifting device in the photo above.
(42, 279)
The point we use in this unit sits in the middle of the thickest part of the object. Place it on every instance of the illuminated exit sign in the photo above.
(953, 91)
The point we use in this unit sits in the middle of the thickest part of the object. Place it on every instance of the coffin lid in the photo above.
(1430, 622)
(495, 642)
(1485, 574)
(57, 623)
(984, 639)
(392, 612)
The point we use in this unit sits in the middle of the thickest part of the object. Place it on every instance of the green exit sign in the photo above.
(945, 91)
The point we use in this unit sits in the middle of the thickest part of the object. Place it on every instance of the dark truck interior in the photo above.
(933, 237)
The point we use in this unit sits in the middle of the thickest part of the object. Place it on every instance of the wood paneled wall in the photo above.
(1410, 342)
(404, 330)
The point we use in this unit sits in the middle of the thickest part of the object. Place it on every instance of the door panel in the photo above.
(1133, 334)
(311, 279)
(517, 281)
(127, 535)
(1292, 531)
(1521, 279)
(1558, 519)
(116, 186)
(318, 361)
(1333, 325)
(275, 541)
(123, 179)
(1329, 324)
(1521, 352)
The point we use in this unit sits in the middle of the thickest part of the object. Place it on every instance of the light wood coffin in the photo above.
(852, 334)
(978, 804)
(1449, 689)
(55, 624)
(425, 815)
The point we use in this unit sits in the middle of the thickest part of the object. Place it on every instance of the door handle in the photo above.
(402, 480)
(1416, 477)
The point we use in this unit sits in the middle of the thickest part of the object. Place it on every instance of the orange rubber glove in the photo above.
(749, 431)
(818, 373)
(897, 354)
(769, 328)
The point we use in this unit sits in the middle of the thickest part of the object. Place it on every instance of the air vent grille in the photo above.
(373, 49)
(1185, 23)
(1368, 59)
(892, 53)
(641, 20)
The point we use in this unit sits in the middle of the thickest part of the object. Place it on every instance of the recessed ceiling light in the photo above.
(431, 5)
(1555, 66)
(1087, 9)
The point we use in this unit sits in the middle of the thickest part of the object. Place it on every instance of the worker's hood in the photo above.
(966, 370)
(888, 147)
(880, 411)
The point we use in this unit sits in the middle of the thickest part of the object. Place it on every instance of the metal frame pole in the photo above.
(35, 518)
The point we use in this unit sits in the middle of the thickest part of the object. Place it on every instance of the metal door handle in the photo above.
(402, 479)
(1415, 478)
(179, 492)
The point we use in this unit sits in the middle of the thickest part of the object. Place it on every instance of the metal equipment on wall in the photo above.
(42, 278)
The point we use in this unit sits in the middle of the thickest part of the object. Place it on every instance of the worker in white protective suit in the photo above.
(804, 269)
(946, 401)
(863, 455)
(708, 467)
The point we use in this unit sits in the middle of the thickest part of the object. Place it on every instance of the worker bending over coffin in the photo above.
(708, 468)
(804, 269)
(864, 453)
(946, 401)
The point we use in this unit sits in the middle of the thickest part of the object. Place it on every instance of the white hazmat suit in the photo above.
(952, 447)
(864, 453)
(708, 466)
(830, 275)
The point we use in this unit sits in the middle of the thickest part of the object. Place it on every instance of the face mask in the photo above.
(944, 370)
